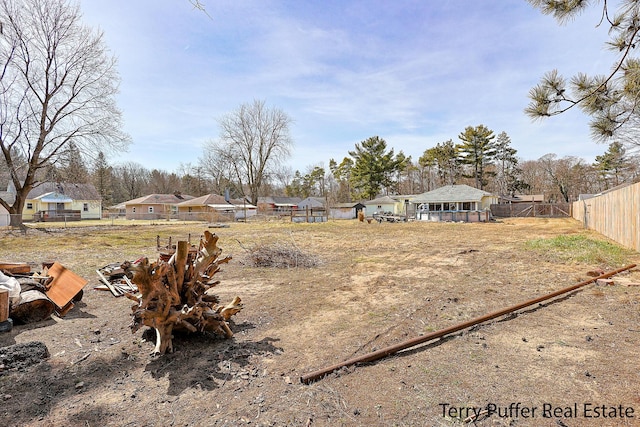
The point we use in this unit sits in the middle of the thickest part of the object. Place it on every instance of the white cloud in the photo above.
(415, 73)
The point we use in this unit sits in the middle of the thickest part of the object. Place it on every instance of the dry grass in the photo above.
(377, 285)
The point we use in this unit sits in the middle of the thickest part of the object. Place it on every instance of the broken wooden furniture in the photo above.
(175, 293)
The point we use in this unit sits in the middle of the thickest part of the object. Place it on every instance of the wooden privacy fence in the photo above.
(544, 210)
(615, 214)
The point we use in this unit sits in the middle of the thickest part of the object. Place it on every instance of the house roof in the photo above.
(452, 193)
(54, 197)
(209, 199)
(347, 205)
(241, 203)
(384, 200)
(217, 202)
(159, 199)
(8, 197)
(72, 191)
(313, 201)
(280, 201)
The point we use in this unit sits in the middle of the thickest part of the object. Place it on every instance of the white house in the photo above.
(454, 203)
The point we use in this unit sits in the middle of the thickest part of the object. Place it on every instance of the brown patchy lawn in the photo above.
(375, 285)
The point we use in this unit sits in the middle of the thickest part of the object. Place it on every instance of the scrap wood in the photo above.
(15, 267)
(115, 280)
(64, 286)
(109, 285)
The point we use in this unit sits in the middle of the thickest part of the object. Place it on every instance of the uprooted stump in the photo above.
(175, 295)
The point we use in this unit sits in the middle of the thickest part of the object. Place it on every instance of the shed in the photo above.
(345, 210)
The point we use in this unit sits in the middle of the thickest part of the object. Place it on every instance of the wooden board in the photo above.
(64, 286)
(15, 267)
(4, 305)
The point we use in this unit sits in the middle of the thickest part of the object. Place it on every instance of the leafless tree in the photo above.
(57, 87)
(133, 179)
(254, 140)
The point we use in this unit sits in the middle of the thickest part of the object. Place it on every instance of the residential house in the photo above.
(5, 219)
(454, 203)
(278, 205)
(313, 203)
(59, 201)
(214, 207)
(8, 197)
(155, 206)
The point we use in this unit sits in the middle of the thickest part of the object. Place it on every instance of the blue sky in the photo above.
(415, 73)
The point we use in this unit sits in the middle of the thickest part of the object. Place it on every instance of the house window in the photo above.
(29, 205)
(466, 206)
(85, 207)
(435, 207)
(150, 209)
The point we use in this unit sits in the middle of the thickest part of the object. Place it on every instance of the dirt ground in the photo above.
(571, 361)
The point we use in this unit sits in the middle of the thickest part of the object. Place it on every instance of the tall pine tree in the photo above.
(373, 168)
(478, 151)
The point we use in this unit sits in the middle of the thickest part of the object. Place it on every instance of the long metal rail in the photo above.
(384, 352)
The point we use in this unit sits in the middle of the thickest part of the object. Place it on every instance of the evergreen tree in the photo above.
(342, 174)
(478, 151)
(373, 168)
(72, 168)
(508, 173)
(296, 187)
(610, 100)
(445, 158)
(102, 178)
(613, 165)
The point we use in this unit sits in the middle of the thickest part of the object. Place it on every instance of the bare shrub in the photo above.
(279, 255)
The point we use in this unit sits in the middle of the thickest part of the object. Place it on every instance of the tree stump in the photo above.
(175, 294)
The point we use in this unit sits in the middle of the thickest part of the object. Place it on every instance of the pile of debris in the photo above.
(28, 296)
(175, 292)
(115, 280)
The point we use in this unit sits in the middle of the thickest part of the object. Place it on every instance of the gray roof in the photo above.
(347, 205)
(159, 199)
(452, 193)
(73, 191)
(208, 199)
(8, 197)
(384, 200)
(312, 202)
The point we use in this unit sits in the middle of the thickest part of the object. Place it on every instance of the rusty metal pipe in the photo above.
(383, 352)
